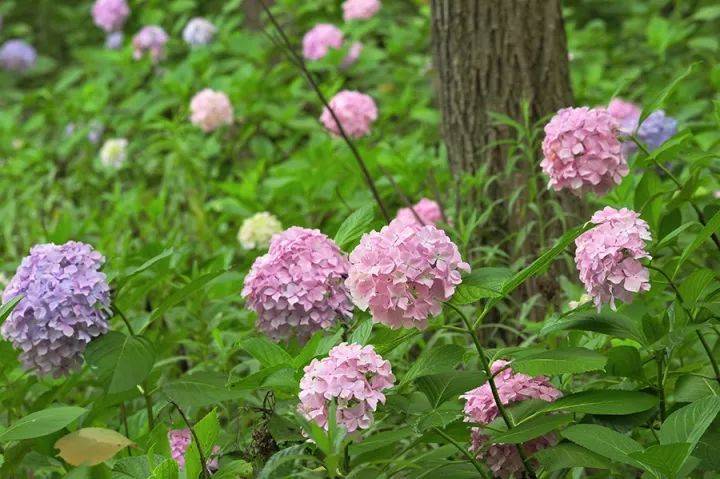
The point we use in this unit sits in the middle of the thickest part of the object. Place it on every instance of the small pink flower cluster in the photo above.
(355, 111)
(210, 109)
(404, 272)
(428, 211)
(180, 440)
(582, 152)
(608, 256)
(318, 41)
(480, 408)
(151, 39)
(360, 9)
(298, 285)
(110, 15)
(626, 113)
(352, 375)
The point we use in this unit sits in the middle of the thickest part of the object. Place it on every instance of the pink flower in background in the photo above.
(356, 112)
(150, 39)
(582, 152)
(210, 109)
(110, 15)
(626, 113)
(403, 273)
(180, 440)
(297, 287)
(608, 256)
(352, 375)
(318, 41)
(428, 211)
(480, 408)
(360, 9)
(353, 54)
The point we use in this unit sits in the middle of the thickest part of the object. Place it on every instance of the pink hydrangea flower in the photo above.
(428, 211)
(353, 54)
(480, 408)
(180, 440)
(582, 152)
(320, 39)
(627, 115)
(356, 112)
(608, 256)
(297, 287)
(352, 375)
(110, 15)
(360, 9)
(210, 109)
(403, 273)
(150, 39)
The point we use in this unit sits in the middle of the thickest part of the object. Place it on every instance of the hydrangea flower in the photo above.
(608, 256)
(352, 375)
(360, 9)
(64, 306)
(657, 129)
(320, 39)
(114, 153)
(150, 39)
(403, 273)
(210, 109)
(480, 408)
(198, 31)
(353, 54)
(427, 209)
(297, 287)
(17, 55)
(110, 15)
(95, 132)
(582, 152)
(257, 230)
(627, 115)
(114, 40)
(180, 440)
(356, 112)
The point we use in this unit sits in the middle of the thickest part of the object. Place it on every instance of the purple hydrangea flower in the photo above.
(198, 31)
(657, 129)
(17, 55)
(114, 40)
(64, 306)
(110, 15)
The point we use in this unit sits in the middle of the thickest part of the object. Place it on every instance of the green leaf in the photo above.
(664, 458)
(122, 361)
(613, 324)
(481, 283)
(438, 388)
(693, 287)
(711, 227)
(691, 388)
(182, 293)
(122, 279)
(531, 429)
(200, 389)
(560, 361)
(603, 441)
(237, 469)
(659, 101)
(207, 431)
(41, 423)
(362, 332)
(8, 307)
(690, 422)
(434, 360)
(567, 455)
(608, 402)
(354, 226)
(283, 456)
(624, 361)
(265, 351)
(167, 469)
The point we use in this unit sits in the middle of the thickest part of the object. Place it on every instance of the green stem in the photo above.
(465, 452)
(708, 351)
(493, 387)
(117, 311)
(661, 384)
(203, 466)
(147, 395)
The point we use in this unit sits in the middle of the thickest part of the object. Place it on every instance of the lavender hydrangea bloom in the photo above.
(657, 129)
(198, 31)
(17, 55)
(65, 299)
(114, 40)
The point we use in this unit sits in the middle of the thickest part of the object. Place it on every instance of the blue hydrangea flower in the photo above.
(657, 129)
(17, 55)
(64, 306)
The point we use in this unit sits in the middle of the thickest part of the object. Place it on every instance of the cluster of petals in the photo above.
(256, 231)
(353, 376)
(318, 41)
(480, 408)
(17, 55)
(210, 109)
(198, 31)
(180, 440)
(657, 129)
(626, 113)
(355, 111)
(110, 15)
(403, 273)
(64, 306)
(581, 151)
(114, 153)
(426, 209)
(298, 286)
(150, 39)
(360, 9)
(114, 40)
(608, 256)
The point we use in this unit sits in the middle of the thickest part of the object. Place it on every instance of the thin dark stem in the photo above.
(709, 352)
(205, 473)
(464, 451)
(148, 406)
(123, 415)
(298, 60)
(401, 194)
(660, 384)
(125, 320)
(509, 423)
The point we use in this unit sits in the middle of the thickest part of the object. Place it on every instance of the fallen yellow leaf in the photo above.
(90, 446)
